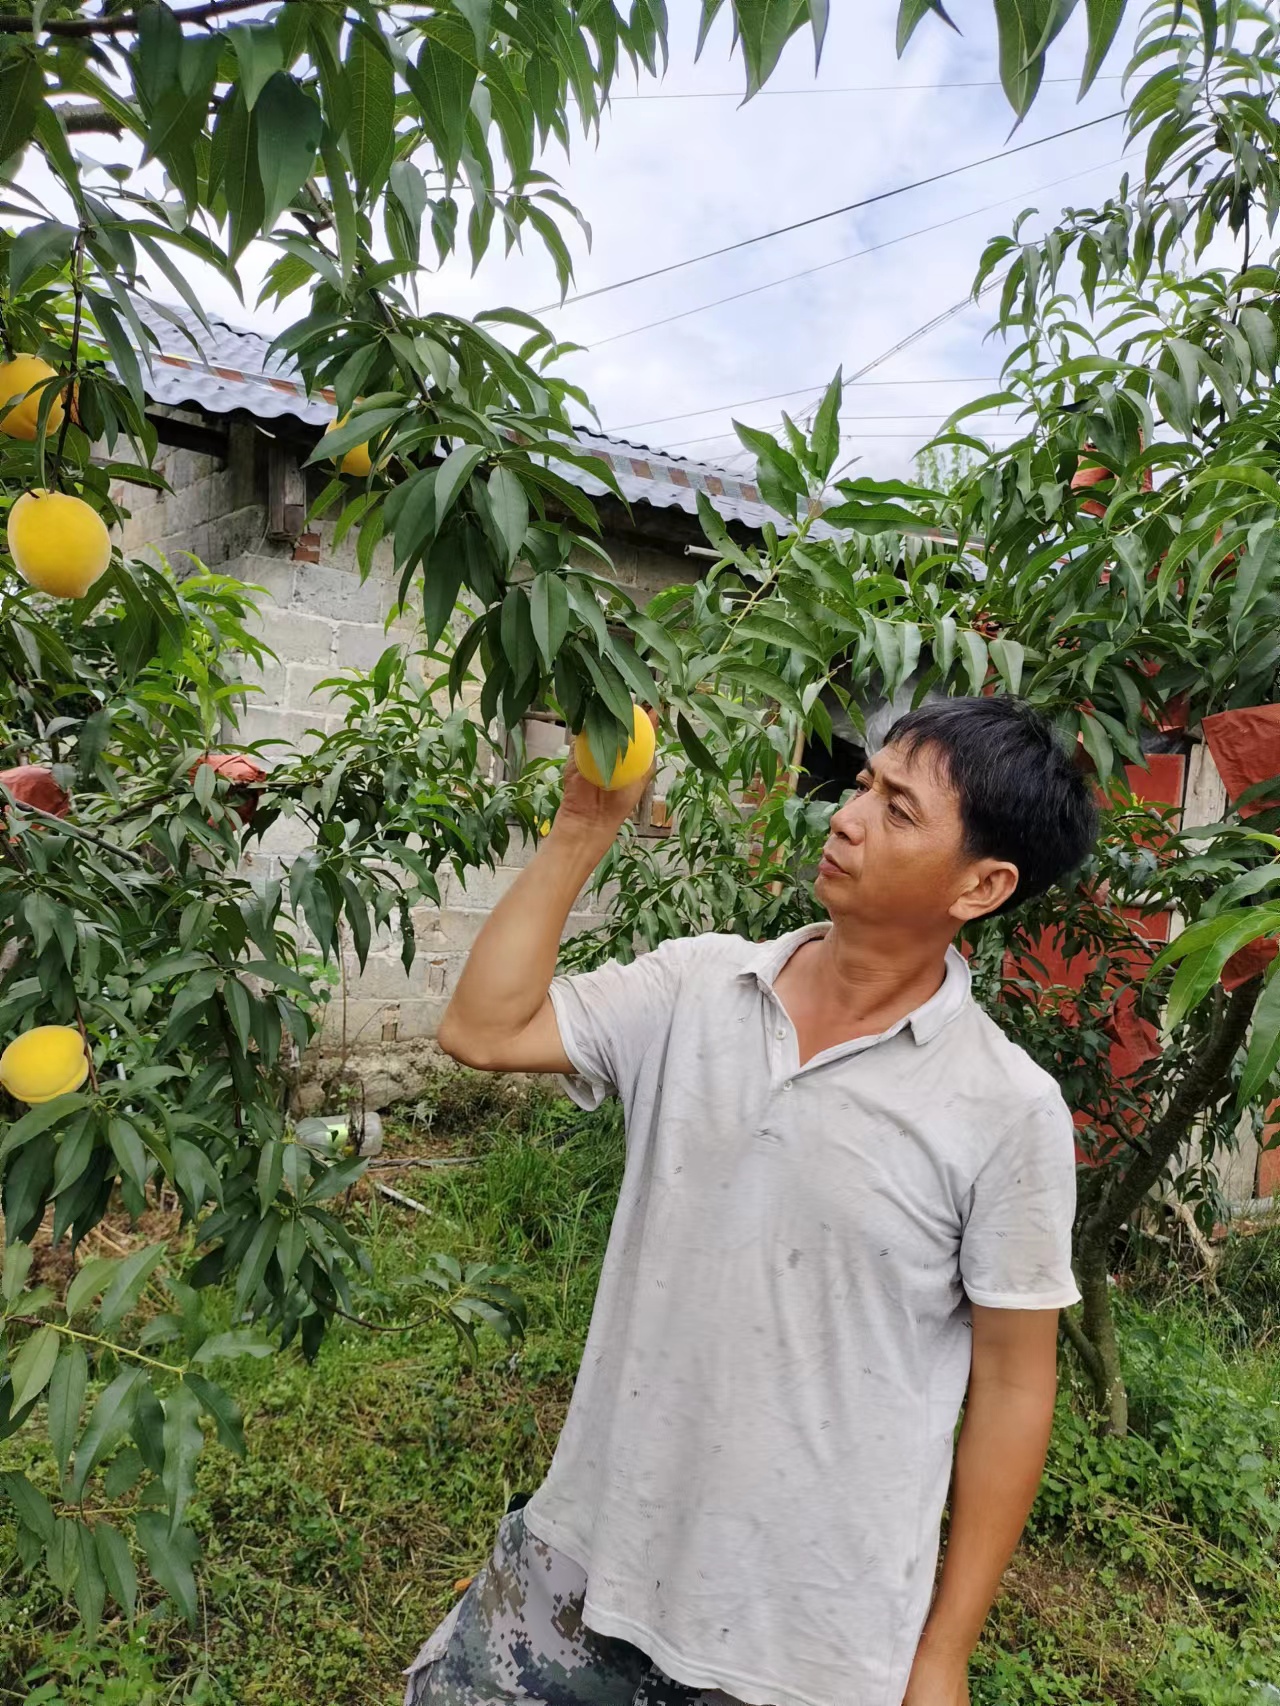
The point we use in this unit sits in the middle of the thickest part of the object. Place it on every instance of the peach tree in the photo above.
(1118, 564)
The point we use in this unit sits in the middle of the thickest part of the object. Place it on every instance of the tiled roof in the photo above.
(236, 370)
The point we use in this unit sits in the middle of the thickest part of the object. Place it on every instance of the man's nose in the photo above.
(846, 820)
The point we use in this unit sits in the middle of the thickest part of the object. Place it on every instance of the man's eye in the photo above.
(896, 812)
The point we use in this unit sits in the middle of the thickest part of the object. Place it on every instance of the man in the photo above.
(847, 1197)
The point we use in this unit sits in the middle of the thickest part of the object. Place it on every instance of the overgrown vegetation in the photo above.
(375, 1477)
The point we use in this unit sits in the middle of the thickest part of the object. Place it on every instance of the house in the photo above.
(235, 426)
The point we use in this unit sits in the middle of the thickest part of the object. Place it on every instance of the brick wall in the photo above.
(319, 618)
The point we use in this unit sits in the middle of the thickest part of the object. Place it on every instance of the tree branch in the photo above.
(1192, 1096)
(79, 121)
(113, 24)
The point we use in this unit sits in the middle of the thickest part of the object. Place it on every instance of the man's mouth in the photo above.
(827, 866)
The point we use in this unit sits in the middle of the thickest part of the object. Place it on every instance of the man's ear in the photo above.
(990, 883)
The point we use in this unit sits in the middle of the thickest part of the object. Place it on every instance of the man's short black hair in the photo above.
(1021, 797)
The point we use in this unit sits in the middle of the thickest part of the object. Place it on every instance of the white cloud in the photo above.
(672, 178)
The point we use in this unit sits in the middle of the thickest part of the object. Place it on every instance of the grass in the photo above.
(375, 1477)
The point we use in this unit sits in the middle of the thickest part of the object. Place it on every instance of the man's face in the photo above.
(896, 850)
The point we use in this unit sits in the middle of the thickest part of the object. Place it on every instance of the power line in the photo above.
(841, 260)
(832, 213)
(776, 396)
(887, 355)
(844, 89)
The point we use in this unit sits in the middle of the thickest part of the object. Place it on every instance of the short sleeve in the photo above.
(612, 1018)
(1015, 1252)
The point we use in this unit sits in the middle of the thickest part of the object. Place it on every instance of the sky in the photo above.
(682, 166)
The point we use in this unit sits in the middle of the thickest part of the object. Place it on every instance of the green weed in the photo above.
(375, 1477)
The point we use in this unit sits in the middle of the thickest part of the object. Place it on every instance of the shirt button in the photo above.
(779, 1035)
(787, 1085)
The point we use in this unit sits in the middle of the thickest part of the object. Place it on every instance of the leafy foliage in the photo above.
(350, 140)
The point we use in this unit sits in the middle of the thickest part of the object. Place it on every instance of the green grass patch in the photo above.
(375, 1477)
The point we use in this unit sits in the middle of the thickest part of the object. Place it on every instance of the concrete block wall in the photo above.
(320, 618)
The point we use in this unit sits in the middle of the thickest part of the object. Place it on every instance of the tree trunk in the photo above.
(1204, 1084)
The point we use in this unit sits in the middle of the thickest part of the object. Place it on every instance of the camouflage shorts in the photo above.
(517, 1635)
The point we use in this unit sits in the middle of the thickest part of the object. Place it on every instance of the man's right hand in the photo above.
(593, 813)
(501, 1017)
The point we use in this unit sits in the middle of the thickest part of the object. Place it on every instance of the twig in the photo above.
(88, 1052)
(80, 121)
(118, 23)
(104, 1344)
(399, 1197)
(69, 390)
(81, 834)
(378, 1327)
(425, 1161)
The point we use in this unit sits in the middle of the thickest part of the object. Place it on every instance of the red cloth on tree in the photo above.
(33, 785)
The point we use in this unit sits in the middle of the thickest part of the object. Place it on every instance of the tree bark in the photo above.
(1201, 1086)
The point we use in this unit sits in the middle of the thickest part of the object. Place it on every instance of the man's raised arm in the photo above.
(500, 1017)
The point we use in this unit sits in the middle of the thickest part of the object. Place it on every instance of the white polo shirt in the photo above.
(754, 1465)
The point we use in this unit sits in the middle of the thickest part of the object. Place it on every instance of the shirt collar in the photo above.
(766, 959)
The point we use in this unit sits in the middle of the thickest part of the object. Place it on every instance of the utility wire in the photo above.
(843, 89)
(841, 260)
(800, 390)
(887, 355)
(832, 213)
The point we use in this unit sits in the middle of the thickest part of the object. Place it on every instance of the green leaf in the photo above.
(108, 1423)
(47, 244)
(442, 81)
(66, 1397)
(259, 55)
(90, 1587)
(826, 428)
(370, 84)
(1104, 20)
(910, 13)
(765, 27)
(1026, 28)
(255, 1261)
(17, 1265)
(1008, 657)
(22, 91)
(183, 1443)
(241, 176)
(92, 1278)
(1255, 575)
(131, 1274)
(1264, 1044)
(974, 651)
(549, 609)
(32, 1365)
(239, 1342)
(454, 472)
(509, 507)
(34, 1510)
(194, 1174)
(222, 1408)
(476, 12)
(171, 1556)
(39, 1120)
(117, 1567)
(129, 1151)
(289, 125)
(1097, 744)
(236, 998)
(409, 188)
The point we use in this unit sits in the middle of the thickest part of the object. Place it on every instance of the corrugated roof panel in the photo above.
(231, 368)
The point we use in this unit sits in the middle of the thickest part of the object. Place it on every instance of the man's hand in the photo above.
(501, 1018)
(937, 1679)
(595, 813)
